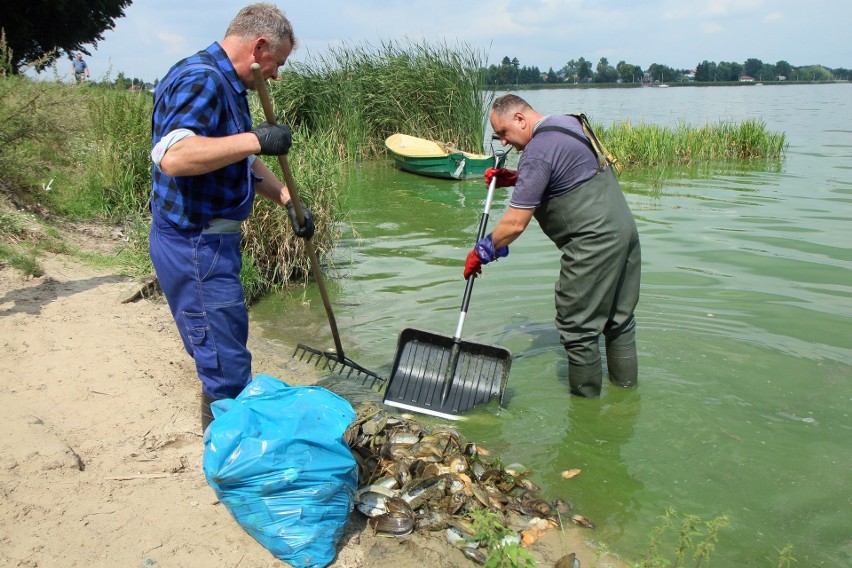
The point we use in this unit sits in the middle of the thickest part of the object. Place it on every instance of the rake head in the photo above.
(339, 364)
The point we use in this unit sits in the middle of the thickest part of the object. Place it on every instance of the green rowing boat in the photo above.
(435, 159)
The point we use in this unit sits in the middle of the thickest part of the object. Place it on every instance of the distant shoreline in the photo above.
(541, 86)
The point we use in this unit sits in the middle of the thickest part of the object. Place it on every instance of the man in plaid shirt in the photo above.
(204, 180)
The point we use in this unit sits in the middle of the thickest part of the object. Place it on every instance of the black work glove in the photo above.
(275, 139)
(307, 231)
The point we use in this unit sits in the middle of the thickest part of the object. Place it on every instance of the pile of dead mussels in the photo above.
(413, 477)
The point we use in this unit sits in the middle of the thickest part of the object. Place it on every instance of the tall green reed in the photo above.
(363, 93)
(118, 162)
(651, 145)
(341, 107)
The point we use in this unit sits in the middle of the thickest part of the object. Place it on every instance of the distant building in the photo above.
(746, 79)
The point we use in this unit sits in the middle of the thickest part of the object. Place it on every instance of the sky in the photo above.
(154, 34)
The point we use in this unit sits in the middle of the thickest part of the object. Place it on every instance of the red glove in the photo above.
(473, 264)
(505, 177)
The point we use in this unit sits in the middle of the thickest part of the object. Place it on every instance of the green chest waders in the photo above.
(598, 286)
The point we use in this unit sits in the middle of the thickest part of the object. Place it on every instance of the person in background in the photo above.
(579, 205)
(204, 179)
(80, 68)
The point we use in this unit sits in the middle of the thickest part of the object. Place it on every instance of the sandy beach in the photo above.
(100, 441)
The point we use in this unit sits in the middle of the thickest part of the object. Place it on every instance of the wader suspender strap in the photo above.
(601, 161)
(603, 155)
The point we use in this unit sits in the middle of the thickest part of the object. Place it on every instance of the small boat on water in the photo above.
(435, 159)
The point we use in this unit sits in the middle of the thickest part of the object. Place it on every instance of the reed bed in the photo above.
(274, 256)
(649, 145)
(363, 94)
(341, 108)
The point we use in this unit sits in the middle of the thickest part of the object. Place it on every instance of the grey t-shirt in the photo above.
(553, 163)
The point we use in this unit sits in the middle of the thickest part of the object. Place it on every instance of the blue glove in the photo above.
(486, 252)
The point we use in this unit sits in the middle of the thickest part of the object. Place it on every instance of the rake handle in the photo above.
(269, 115)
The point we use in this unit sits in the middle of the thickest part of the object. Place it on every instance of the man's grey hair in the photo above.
(265, 20)
(510, 103)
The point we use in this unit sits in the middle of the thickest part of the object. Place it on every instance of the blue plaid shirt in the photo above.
(210, 102)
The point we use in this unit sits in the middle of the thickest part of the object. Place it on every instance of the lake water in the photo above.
(744, 326)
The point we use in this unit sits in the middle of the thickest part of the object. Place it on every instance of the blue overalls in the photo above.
(199, 272)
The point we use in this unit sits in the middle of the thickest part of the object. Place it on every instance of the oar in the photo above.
(269, 115)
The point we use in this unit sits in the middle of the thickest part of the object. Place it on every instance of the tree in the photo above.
(752, 67)
(604, 72)
(705, 71)
(728, 71)
(783, 69)
(37, 31)
(661, 73)
(529, 76)
(570, 69)
(814, 73)
(628, 73)
(767, 72)
(584, 70)
(551, 76)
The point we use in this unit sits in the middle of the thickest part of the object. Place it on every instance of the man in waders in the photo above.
(205, 177)
(578, 203)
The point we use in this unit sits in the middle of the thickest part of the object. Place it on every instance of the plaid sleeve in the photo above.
(193, 103)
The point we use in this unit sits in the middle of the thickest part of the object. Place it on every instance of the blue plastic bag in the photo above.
(276, 458)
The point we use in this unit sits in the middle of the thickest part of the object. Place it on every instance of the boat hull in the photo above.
(433, 159)
(454, 166)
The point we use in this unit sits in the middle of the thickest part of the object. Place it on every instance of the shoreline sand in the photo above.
(100, 443)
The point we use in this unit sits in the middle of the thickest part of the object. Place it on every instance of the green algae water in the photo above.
(744, 326)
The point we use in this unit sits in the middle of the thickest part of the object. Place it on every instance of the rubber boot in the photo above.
(206, 413)
(585, 380)
(621, 362)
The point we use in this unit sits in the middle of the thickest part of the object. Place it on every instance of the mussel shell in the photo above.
(458, 539)
(561, 506)
(516, 469)
(422, 491)
(374, 425)
(458, 464)
(434, 469)
(478, 555)
(398, 505)
(492, 474)
(428, 450)
(496, 499)
(457, 484)
(433, 520)
(402, 471)
(481, 494)
(388, 481)
(394, 452)
(567, 561)
(395, 523)
(404, 438)
(370, 500)
(528, 485)
(454, 502)
(535, 507)
(583, 521)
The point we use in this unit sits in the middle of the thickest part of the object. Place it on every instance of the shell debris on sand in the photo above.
(414, 477)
